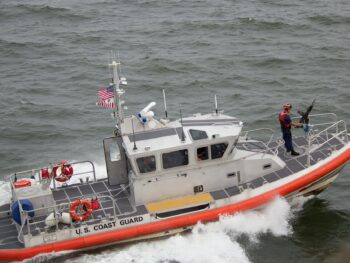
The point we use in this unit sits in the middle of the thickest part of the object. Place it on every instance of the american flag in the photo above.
(108, 103)
(106, 97)
(107, 93)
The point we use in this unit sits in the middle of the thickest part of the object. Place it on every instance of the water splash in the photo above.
(5, 193)
(212, 242)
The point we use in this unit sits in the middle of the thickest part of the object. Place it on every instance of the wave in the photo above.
(240, 24)
(11, 44)
(330, 20)
(271, 62)
(50, 11)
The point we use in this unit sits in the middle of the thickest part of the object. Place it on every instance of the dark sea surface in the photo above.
(255, 55)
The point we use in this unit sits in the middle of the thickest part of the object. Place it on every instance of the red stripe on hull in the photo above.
(183, 221)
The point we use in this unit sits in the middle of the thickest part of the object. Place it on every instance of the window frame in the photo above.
(147, 172)
(178, 150)
(189, 131)
(209, 153)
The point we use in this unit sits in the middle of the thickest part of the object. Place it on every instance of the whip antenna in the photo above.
(216, 104)
(182, 127)
(133, 133)
(165, 109)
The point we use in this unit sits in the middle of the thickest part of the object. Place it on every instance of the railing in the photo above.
(325, 129)
(321, 132)
(246, 136)
(57, 210)
(37, 175)
(337, 129)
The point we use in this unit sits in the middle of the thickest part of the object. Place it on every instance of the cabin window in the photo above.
(202, 154)
(114, 152)
(146, 164)
(198, 134)
(218, 150)
(174, 159)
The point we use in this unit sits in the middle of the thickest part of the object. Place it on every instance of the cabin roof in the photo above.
(161, 135)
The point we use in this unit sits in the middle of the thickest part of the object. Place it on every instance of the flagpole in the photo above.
(118, 110)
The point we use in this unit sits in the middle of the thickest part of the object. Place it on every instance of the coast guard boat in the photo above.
(163, 177)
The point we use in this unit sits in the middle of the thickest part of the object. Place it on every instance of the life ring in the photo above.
(80, 207)
(22, 183)
(65, 172)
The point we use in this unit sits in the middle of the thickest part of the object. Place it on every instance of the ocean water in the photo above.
(255, 55)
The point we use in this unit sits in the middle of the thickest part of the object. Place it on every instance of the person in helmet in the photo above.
(286, 126)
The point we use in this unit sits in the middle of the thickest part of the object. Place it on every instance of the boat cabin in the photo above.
(163, 159)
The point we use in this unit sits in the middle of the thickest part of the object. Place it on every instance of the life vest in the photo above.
(283, 122)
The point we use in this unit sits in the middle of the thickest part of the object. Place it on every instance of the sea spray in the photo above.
(5, 193)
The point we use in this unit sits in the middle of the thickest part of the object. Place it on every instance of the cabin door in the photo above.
(115, 161)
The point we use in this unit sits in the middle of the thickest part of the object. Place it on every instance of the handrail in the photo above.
(311, 138)
(268, 148)
(335, 125)
(56, 209)
(36, 173)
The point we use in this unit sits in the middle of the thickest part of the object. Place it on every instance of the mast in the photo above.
(118, 92)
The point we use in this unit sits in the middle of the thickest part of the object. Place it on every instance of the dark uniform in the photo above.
(286, 126)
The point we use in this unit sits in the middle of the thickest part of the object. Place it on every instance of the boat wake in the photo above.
(5, 193)
(213, 242)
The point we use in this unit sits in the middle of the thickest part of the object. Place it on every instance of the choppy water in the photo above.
(254, 55)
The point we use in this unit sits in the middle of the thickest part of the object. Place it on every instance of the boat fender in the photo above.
(66, 219)
(84, 208)
(60, 217)
(26, 206)
(50, 220)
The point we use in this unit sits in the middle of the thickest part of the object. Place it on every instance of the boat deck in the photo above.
(294, 164)
(120, 194)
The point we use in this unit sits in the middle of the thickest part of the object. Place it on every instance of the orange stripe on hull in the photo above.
(173, 223)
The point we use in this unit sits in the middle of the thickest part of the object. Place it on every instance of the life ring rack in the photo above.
(83, 206)
(62, 172)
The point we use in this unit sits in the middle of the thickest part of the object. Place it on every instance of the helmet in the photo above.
(287, 106)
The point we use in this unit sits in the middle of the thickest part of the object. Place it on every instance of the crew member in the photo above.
(286, 125)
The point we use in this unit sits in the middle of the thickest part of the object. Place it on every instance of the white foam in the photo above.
(212, 242)
(5, 193)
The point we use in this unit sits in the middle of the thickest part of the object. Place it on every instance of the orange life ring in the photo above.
(83, 207)
(22, 183)
(65, 173)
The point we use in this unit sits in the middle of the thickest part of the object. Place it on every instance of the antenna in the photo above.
(182, 127)
(216, 105)
(164, 99)
(117, 92)
(133, 133)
